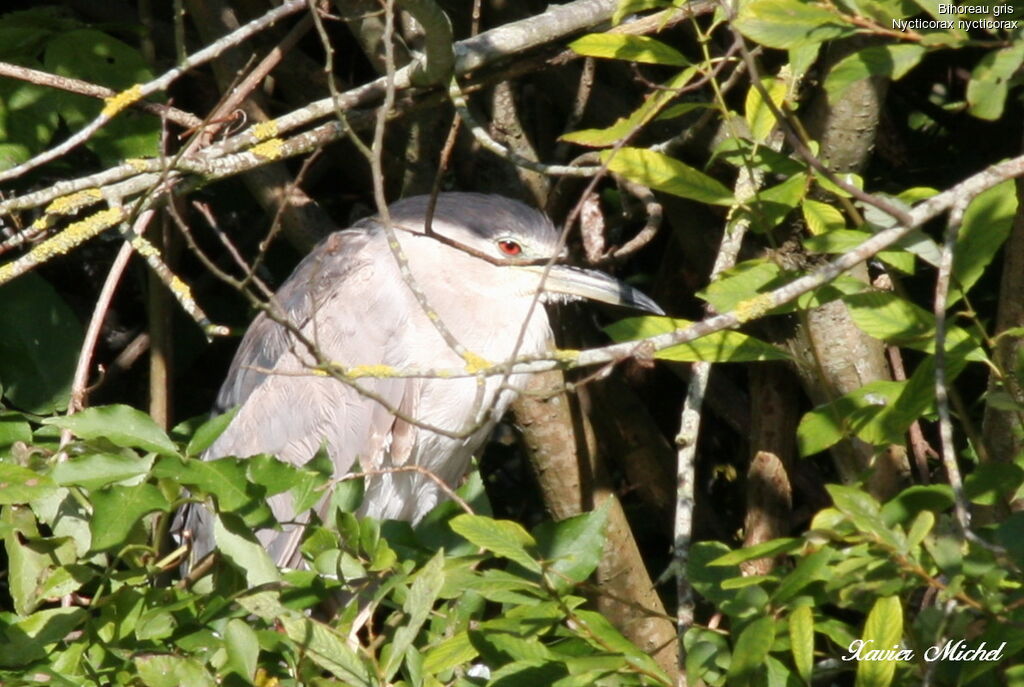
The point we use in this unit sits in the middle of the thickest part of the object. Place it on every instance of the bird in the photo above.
(480, 269)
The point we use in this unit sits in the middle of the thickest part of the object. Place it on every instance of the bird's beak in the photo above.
(577, 283)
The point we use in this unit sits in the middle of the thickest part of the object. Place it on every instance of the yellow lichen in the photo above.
(567, 355)
(139, 164)
(79, 232)
(474, 362)
(144, 247)
(370, 371)
(73, 236)
(269, 150)
(118, 102)
(264, 130)
(180, 289)
(73, 202)
(753, 308)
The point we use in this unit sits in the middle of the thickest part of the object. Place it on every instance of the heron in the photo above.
(481, 269)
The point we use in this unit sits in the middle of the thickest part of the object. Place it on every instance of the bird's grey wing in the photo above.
(343, 299)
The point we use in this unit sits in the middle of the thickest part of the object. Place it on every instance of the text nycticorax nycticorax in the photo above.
(350, 298)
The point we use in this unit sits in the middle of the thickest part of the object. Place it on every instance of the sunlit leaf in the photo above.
(501, 537)
(985, 227)
(888, 61)
(116, 510)
(789, 23)
(718, 347)
(239, 545)
(882, 631)
(120, 424)
(752, 647)
(991, 78)
(622, 46)
(801, 638)
(663, 173)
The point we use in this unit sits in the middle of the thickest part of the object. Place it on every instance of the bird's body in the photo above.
(351, 300)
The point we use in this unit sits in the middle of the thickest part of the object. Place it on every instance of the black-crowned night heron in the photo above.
(350, 298)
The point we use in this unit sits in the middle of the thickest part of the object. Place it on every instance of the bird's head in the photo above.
(512, 235)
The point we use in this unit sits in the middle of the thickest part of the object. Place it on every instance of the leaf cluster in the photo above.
(92, 593)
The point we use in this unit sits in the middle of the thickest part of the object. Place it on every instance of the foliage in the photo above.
(85, 525)
(869, 576)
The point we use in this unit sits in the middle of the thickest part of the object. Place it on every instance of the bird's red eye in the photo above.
(510, 247)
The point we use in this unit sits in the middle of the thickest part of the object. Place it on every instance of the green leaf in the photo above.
(116, 510)
(884, 315)
(890, 61)
(760, 119)
(801, 641)
(602, 635)
(991, 482)
(168, 670)
(96, 470)
(882, 631)
(752, 647)
(822, 218)
(423, 592)
(13, 428)
(224, 478)
(788, 24)
(573, 547)
(328, 649)
(98, 58)
(707, 655)
(808, 570)
(740, 283)
(719, 347)
(28, 116)
(501, 537)
(348, 493)
(663, 173)
(768, 549)
(243, 648)
(208, 432)
(770, 206)
(499, 647)
(21, 485)
(707, 579)
(239, 545)
(628, 7)
(27, 640)
(39, 347)
(859, 413)
(120, 424)
(1010, 535)
(990, 80)
(652, 105)
(985, 227)
(621, 46)
(25, 565)
(452, 652)
(315, 473)
(922, 525)
(913, 500)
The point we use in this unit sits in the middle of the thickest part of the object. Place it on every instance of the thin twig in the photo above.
(71, 85)
(99, 313)
(942, 282)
